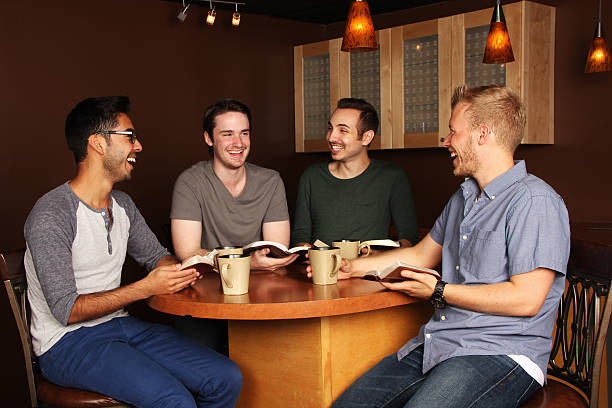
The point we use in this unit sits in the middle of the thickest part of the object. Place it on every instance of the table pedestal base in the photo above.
(310, 362)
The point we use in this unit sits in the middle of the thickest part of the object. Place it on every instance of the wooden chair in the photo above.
(582, 323)
(42, 392)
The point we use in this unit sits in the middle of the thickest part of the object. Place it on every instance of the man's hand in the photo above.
(167, 279)
(344, 272)
(260, 260)
(418, 285)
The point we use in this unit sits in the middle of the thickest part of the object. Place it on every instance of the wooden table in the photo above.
(299, 344)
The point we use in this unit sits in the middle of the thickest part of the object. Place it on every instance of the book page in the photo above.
(381, 242)
(392, 273)
(208, 259)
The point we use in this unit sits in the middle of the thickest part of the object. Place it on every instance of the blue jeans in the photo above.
(467, 381)
(142, 364)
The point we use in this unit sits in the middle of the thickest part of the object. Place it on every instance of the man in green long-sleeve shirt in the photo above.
(352, 196)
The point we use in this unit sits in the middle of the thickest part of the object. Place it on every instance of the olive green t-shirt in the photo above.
(199, 195)
(360, 208)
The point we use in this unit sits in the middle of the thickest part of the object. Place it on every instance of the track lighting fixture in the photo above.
(212, 14)
(236, 17)
(182, 15)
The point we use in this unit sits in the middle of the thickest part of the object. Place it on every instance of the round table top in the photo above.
(282, 294)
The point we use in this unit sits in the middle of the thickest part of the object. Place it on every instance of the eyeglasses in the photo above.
(131, 133)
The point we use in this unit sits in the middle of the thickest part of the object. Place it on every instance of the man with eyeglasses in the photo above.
(77, 237)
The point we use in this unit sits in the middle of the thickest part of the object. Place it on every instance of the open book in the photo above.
(277, 250)
(375, 243)
(207, 261)
(392, 273)
(380, 244)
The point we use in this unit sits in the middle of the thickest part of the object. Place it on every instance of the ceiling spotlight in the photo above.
(182, 15)
(210, 18)
(236, 17)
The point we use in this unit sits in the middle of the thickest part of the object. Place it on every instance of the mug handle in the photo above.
(337, 263)
(223, 271)
(365, 246)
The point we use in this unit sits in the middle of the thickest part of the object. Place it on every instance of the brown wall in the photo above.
(55, 54)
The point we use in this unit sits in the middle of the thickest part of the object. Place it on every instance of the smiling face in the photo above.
(231, 137)
(460, 143)
(343, 135)
(120, 156)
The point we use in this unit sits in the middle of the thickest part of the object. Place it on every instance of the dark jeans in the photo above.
(142, 364)
(467, 381)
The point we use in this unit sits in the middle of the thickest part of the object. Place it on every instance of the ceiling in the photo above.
(312, 11)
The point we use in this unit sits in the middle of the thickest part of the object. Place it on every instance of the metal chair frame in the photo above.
(580, 333)
(16, 287)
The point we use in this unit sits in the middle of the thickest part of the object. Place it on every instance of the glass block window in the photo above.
(421, 85)
(316, 96)
(365, 77)
(477, 73)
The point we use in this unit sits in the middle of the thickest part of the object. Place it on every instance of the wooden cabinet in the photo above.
(411, 77)
(532, 33)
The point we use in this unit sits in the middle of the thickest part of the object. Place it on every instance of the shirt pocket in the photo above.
(485, 257)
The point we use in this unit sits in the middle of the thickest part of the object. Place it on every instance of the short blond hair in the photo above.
(496, 106)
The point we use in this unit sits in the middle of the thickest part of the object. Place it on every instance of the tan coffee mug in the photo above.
(234, 270)
(349, 249)
(324, 262)
(226, 250)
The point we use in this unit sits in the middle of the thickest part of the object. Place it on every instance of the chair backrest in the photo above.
(583, 319)
(13, 274)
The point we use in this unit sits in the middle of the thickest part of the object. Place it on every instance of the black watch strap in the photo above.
(437, 298)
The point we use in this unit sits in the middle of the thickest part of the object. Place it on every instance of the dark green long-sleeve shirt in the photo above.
(361, 208)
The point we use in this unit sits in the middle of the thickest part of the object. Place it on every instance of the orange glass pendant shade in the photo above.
(359, 30)
(598, 59)
(498, 49)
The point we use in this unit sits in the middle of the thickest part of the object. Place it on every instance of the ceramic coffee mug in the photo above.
(234, 270)
(324, 262)
(367, 247)
(349, 249)
(226, 250)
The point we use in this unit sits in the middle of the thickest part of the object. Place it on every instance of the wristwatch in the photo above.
(437, 298)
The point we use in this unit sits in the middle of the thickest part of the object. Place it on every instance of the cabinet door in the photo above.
(420, 83)
(470, 31)
(531, 27)
(370, 79)
(320, 79)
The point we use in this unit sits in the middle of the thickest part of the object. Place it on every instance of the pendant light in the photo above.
(498, 49)
(598, 59)
(359, 30)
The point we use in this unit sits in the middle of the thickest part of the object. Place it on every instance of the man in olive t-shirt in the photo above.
(352, 196)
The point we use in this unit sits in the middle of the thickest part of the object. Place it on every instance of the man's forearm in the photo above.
(94, 305)
(523, 295)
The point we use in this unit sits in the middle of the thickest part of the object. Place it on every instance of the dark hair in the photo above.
(92, 116)
(218, 108)
(368, 118)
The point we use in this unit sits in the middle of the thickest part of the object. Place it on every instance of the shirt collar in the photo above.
(498, 185)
